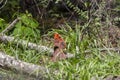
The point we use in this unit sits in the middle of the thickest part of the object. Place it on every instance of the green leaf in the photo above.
(19, 24)
(29, 21)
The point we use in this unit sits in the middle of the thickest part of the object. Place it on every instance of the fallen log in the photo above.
(9, 62)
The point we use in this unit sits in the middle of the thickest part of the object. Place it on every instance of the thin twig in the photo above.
(37, 7)
(104, 49)
(10, 26)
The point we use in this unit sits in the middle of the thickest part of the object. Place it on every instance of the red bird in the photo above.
(59, 42)
(59, 46)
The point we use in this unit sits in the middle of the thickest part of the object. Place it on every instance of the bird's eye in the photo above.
(55, 47)
(59, 37)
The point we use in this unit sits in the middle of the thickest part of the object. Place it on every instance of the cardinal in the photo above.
(59, 46)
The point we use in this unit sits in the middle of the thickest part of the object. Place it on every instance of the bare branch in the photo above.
(2, 3)
(10, 26)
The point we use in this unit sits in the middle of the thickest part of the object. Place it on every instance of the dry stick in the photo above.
(20, 66)
(10, 26)
(104, 49)
(30, 45)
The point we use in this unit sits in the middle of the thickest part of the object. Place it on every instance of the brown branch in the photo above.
(20, 66)
(10, 26)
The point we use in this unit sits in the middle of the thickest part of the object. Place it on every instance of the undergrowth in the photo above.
(94, 64)
(84, 66)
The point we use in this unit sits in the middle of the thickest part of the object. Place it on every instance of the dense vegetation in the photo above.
(91, 31)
